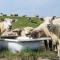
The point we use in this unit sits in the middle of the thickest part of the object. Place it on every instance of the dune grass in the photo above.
(27, 53)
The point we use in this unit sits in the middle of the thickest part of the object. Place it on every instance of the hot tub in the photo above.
(15, 45)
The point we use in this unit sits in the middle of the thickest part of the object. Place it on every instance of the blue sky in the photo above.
(31, 7)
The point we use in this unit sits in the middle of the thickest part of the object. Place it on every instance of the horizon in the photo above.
(30, 7)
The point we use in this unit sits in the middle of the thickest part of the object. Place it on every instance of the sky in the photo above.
(31, 7)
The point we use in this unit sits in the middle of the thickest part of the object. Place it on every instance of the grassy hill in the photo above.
(24, 21)
(27, 53)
